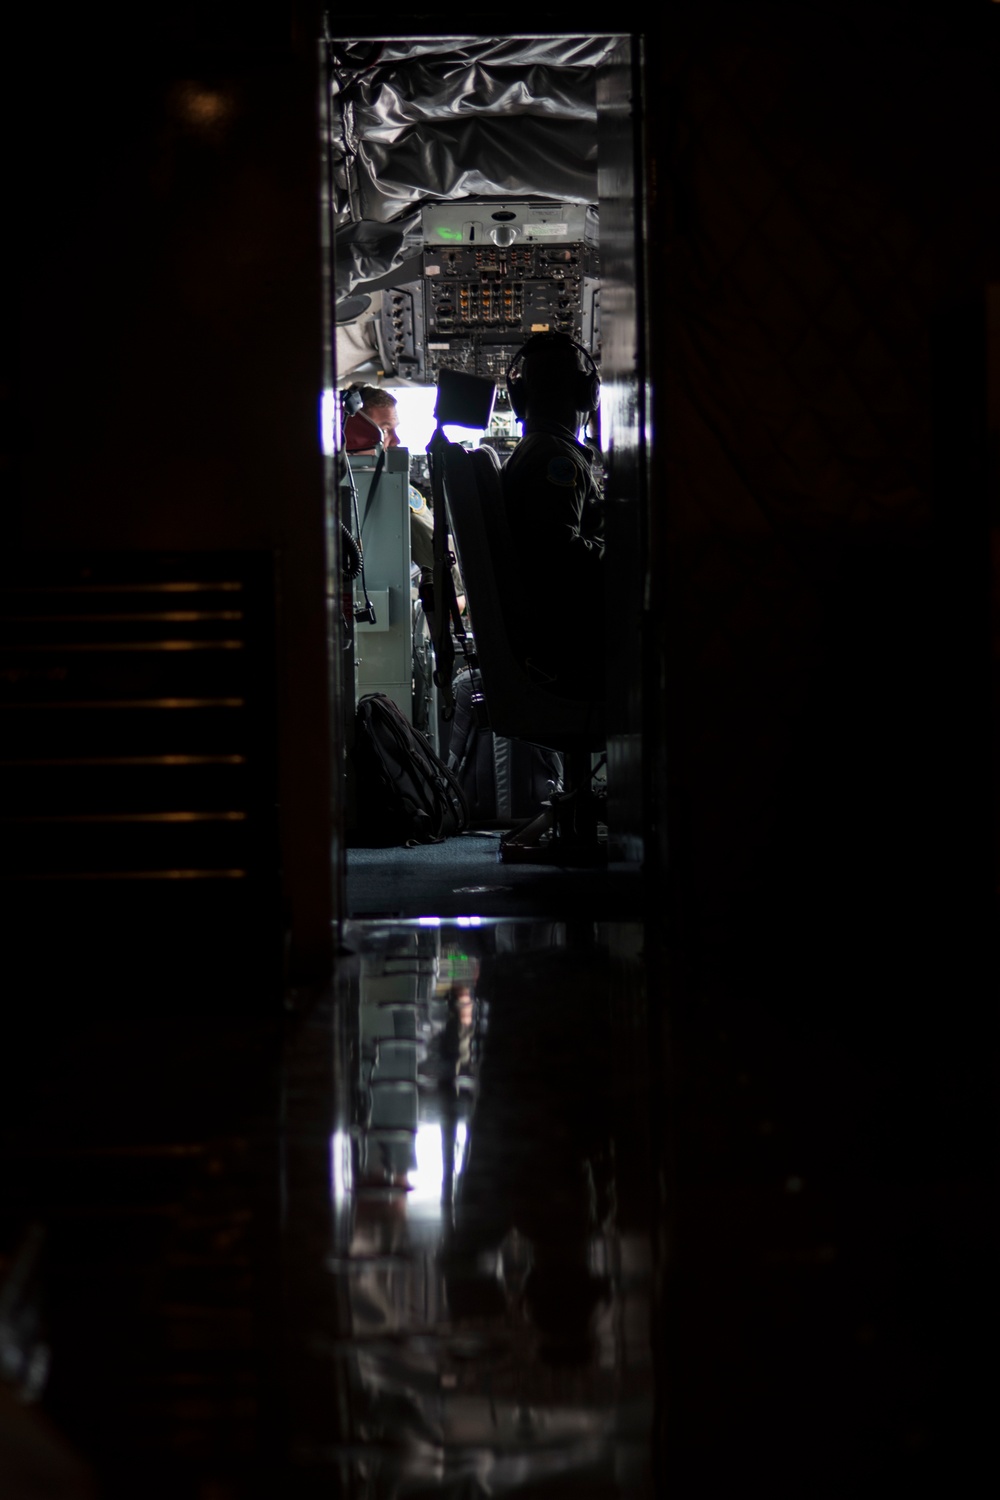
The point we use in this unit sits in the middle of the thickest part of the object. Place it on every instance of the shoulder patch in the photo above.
(562, 471)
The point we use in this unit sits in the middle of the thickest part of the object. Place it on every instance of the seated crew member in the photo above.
(378, 410)
(379, 407)
(554, 507)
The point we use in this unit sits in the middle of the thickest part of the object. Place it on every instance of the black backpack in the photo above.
(406, 794)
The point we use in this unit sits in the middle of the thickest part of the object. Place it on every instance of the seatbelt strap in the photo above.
(379, 466)
(445, 604)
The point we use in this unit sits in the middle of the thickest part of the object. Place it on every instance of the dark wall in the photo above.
(823, 232)
(164, 306)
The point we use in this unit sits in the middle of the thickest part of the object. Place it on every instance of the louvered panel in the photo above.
(129, 846)
(127, 728)
(137, 740)
(93, 731)
(34, 788)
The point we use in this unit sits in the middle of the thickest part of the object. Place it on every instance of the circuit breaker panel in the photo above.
(494, 273)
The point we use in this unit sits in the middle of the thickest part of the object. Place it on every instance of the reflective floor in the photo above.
(486, 1281)
(516, 1207)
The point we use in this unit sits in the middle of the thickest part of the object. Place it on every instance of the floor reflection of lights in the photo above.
(442, 1342)
(426, 1179)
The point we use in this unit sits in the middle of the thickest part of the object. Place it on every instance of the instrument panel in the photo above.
(492, 275)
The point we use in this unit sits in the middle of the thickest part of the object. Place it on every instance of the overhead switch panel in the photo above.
(494, 273)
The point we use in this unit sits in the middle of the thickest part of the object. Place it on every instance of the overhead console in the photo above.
(493, 273)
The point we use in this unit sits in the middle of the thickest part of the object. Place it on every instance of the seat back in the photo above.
(519, 706)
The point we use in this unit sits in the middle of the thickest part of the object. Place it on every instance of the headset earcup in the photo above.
(516, 394)
(589, 391)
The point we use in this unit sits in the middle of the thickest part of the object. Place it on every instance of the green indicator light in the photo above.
(449, 234)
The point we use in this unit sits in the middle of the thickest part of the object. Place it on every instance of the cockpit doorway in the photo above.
(477, 190)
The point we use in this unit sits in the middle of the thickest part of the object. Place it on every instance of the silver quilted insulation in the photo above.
(451, 118)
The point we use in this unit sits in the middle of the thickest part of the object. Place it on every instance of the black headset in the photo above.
(586, 392)
(351, 400)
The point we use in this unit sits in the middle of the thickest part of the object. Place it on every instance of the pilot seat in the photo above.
(569, 828)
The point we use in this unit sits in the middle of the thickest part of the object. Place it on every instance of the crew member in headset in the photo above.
(554, 507)
(378, 410)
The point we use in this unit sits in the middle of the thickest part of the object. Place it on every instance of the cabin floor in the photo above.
(525, 1204)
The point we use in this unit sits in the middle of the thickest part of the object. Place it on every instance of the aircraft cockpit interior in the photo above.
(482, 1020)
(480, 194)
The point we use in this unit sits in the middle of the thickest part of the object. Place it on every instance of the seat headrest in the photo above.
(494, 455)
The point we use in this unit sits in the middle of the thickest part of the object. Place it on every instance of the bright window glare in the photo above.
(327, 418)
(415, 406)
